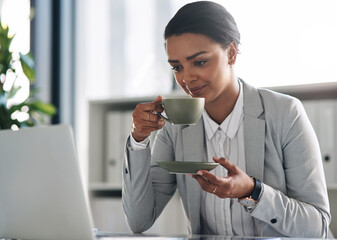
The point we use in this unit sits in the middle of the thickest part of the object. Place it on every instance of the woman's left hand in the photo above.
(237, 183)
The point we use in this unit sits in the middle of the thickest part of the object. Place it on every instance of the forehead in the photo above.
(187, 44)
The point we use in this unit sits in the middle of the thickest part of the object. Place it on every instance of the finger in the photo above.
(225, 163)
(146, 107)
(140, 133)
(150, 107)
(148, 119)
(158, 107)
(146, 130)
(141, 123)
(210, 177)
(205, 184)
(145, 111)
(153, 117)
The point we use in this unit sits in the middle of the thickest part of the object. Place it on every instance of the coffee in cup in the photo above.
(182, 111)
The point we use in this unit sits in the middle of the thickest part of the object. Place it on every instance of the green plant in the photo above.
(16, 69)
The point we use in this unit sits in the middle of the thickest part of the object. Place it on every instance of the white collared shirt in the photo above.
(225, 216)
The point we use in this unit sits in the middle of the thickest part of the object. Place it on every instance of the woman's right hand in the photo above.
(145, 119)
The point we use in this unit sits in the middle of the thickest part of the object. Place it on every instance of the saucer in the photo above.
(180, 167)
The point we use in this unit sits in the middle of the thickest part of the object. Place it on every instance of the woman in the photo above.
(248, 131)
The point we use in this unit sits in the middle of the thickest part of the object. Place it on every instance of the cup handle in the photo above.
(160, 115)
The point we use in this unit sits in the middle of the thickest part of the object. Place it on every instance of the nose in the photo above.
(189, 75)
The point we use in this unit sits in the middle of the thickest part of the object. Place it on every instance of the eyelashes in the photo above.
(179, 68)
(200, 63)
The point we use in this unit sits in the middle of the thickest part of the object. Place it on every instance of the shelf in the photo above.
(105, 190)
(332, 187)
(314, 91)
(103, 186)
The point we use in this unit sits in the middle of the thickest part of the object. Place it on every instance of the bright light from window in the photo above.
(284, 42)
(16, 15)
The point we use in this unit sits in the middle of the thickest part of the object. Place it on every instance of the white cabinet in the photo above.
(323, 117)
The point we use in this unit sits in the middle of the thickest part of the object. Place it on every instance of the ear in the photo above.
(232, 52)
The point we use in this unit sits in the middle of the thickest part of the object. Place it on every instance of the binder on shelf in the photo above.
(126, 124)
(113, 147)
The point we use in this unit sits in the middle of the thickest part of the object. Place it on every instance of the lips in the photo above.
(196, 91)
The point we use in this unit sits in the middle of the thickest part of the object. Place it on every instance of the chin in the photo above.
(198, 96)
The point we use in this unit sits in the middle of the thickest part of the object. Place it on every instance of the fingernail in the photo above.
(199, 173)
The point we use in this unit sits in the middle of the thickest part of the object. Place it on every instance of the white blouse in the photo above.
(225, 216)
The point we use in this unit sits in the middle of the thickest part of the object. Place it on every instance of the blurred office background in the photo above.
(95, 59)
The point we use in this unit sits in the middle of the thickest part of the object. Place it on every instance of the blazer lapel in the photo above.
(193, 145)
(254, 131)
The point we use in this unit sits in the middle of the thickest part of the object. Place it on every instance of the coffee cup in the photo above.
(182, 111)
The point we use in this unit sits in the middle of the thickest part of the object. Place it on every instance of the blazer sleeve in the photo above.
(302, 209)
(147, 188)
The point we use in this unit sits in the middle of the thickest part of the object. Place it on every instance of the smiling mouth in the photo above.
(196, 91)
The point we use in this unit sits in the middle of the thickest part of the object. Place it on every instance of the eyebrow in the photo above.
(189, 57)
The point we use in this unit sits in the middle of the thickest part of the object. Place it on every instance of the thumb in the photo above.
(225, 163)
(158, 99)
(158, 107)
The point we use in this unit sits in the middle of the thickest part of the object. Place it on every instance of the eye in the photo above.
(177, 68)
(200, 63)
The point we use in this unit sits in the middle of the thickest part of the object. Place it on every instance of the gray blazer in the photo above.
(281, 149)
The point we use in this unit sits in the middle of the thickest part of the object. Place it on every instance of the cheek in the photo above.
(218, 74)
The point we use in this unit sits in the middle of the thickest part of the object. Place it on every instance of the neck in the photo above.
(223, 105)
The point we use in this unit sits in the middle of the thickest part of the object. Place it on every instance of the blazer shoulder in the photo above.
(261, 101)
(271, 94)
(273, 100)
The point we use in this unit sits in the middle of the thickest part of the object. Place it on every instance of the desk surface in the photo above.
(116, 236)
(109, 236)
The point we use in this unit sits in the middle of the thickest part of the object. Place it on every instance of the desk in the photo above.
(123, 236)
(109, 236)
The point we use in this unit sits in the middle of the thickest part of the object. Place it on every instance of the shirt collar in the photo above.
(231, 124)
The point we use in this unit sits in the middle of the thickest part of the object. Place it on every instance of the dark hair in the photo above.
(207, 18)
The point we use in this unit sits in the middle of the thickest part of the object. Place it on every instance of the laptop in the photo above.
(41, 190)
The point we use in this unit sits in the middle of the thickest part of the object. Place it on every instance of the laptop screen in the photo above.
(42, 195)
